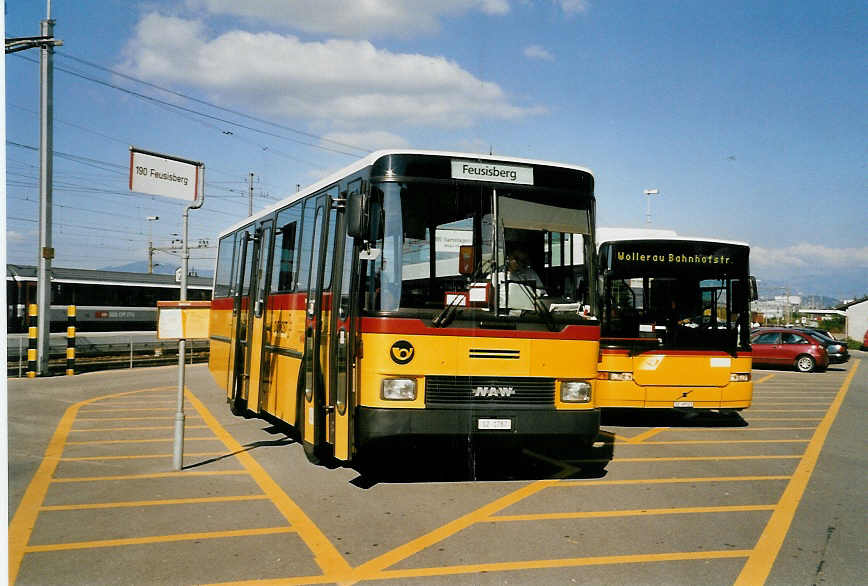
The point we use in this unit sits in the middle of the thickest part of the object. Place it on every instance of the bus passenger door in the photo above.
(258, 338)
(314, 364)
(247, 319)
(341, 350)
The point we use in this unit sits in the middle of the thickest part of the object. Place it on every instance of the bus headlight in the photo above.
(616, 376)
(575, 391)
(739, 377)
(398, 389)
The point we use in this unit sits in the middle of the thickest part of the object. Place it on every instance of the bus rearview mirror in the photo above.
(357, 217)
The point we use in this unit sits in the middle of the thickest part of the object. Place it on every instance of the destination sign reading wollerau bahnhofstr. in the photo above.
(164, 175)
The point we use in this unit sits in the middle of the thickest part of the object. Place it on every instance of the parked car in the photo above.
(836, 349)
(788, 347)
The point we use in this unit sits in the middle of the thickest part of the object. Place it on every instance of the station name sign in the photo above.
(499, 173)
(164, 175)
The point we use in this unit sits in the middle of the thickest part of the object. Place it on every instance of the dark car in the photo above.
(836, 349)
(788, 347)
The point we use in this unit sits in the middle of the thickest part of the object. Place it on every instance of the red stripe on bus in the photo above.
(408, 326)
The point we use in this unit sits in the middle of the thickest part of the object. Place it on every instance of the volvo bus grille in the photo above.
(462, 391)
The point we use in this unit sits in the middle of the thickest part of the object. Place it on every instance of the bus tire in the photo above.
(805, 363)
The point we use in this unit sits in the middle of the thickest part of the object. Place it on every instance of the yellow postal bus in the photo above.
(675, 324)
(385, 302)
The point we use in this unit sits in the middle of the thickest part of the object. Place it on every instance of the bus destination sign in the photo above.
(477, 171)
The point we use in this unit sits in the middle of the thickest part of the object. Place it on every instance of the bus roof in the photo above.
(370, 160)
(673, 239)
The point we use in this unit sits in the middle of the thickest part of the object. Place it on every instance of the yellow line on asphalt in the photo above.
(629, 513)
(786, 403)
(156, 539)
(706, 458)
(139, 456)
(326, 555)
(146, 418)
(21, 526)
(138, 441)
(182, 474)
(765, 378)
(645, 435)
(693, 442)
(787, 410)
(188, 501)
(697, 479)
(759, 564)
(742, 429)
(372, 569)
(559, 563)
(786, 419)
(125, 410)
(145, 428)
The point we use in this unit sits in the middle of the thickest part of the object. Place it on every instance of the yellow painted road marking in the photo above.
(690, 442)
(787, 410)
(764, 404)
(645, 435)
(669, 480)
(189, 501)
(786, 419)
(629, 513)
(765, 378)
(138, 441)
(145, 428)
(182, 474)
(560, 563)
(125, 410)
(139, 456)
(21, 526)
(327, 557)
(706, 458)
(373, 568)
(157, 539)
(759, 564)
(742, 429)
(145, 418)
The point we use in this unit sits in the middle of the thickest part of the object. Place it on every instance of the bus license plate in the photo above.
(494, 424)
(683, 403)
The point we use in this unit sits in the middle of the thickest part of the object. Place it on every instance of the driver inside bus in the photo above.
(522, 282)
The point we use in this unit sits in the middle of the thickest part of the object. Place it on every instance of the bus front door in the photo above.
(327, 413)
(247, 319)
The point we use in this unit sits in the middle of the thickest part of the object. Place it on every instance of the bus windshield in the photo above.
(503, 250)
(670, 298)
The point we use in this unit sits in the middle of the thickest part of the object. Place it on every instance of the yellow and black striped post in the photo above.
(32, 316)
(70, 340)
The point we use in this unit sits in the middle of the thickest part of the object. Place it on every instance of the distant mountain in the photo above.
(161, 269)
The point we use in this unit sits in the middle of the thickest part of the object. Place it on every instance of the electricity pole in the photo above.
(250, 199)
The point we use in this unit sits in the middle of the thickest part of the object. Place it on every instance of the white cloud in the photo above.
(538, 52)
(340, 82)
(573, 6)
(14, 236)
(355, 19)
(809, 256)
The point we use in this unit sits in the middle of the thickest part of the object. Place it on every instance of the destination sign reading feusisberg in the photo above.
(497, 172)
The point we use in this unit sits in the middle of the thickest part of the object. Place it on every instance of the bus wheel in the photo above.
(805, 363)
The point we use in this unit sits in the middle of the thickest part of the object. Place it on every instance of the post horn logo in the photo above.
(402, 352)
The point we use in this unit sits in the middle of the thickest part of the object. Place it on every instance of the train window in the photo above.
(284, 249)
(223, 278)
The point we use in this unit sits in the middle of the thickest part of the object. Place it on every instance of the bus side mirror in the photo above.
(357, 216)
(754, 294)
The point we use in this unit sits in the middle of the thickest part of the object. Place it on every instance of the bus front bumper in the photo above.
(378, 423)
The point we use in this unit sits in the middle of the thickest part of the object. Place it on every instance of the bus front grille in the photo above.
(489, 390)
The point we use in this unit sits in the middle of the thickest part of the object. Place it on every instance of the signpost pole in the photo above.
(178, 450)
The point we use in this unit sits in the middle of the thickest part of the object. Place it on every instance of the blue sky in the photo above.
(749, 117)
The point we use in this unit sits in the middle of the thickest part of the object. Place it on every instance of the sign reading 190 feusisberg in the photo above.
(157, 174)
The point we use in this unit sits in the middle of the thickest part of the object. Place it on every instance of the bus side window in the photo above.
(223, 279)
(284, 250)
